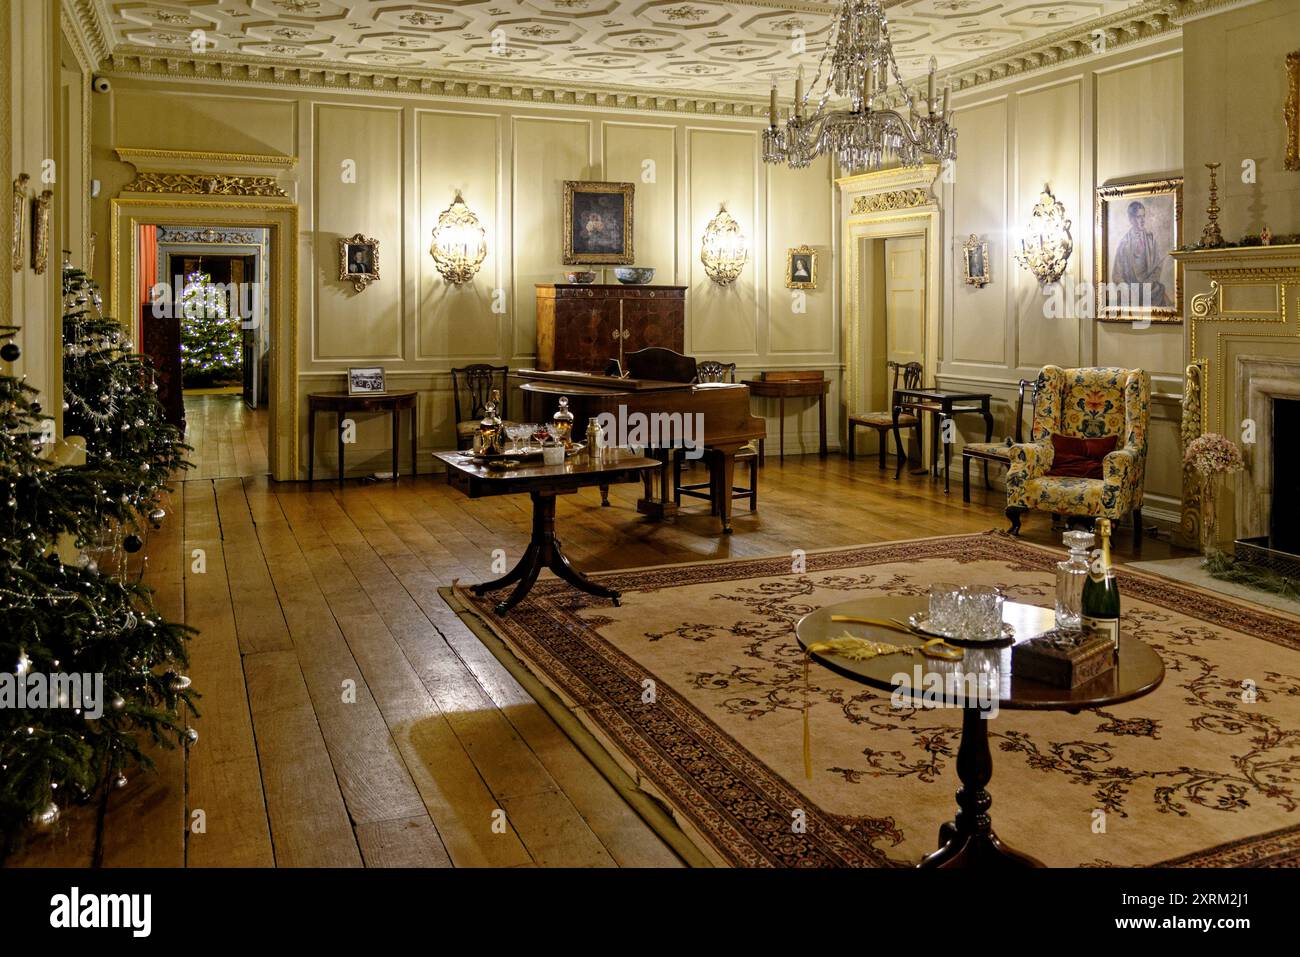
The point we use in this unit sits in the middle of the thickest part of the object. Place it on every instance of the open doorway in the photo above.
(204, 322)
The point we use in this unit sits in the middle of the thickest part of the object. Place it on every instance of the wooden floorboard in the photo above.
(348, 716)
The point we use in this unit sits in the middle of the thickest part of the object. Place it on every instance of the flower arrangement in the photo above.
(1212, 454)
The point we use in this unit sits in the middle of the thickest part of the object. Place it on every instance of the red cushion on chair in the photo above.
(1080, 458)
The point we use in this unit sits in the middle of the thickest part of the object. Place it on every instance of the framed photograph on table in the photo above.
(366, 380)
(598, 223)
(1138, 226)
(801, 268)
(359, 261)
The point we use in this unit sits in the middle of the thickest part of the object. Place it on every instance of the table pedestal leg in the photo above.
(543, 552)
(968, 840)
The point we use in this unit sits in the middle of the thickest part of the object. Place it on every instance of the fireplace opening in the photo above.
(1284, 512)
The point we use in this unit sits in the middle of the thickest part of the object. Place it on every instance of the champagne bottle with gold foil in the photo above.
(1100, 604)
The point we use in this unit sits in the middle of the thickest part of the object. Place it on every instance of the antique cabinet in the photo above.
(581, 327)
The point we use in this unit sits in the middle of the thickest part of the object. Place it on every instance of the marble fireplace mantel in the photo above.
(1242, 322)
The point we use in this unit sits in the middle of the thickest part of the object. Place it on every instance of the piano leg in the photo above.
(725, 481)
(660, 505)
(604, 496)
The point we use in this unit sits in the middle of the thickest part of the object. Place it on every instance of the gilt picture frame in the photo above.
(18, 242)
(359, 261)
(1138, 225)
(598, 223)
(1291, 112)
(801, 268)
(975, 262)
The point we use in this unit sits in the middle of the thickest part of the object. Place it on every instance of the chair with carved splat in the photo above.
(475, 383)
(906, 375)
(997, 452)
(713, 371)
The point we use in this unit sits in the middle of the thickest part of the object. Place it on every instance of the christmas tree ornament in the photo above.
(10, 352)
(191, 735)
(120, 780)
(132, 543)
(46, 817)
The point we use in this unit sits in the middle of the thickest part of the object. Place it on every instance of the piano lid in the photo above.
(597, 382)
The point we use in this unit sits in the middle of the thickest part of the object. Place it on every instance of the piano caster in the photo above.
(604, 496)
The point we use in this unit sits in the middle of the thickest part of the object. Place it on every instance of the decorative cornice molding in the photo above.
(1139, 24)
(134, 62)
(82, 23)
(204, 184)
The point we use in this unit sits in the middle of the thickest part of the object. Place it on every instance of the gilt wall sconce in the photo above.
(459, 243)
(1046, 244)
(725, 250)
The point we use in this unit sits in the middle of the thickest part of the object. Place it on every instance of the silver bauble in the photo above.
(47, 817)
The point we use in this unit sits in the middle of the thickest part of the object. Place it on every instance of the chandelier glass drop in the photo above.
(861, 136)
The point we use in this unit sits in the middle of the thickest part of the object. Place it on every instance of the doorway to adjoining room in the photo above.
(204, 322)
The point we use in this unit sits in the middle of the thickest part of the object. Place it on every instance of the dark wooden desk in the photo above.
(943, 405)
(791, 385)
(542, 483)
(968, 840)
(341, 404)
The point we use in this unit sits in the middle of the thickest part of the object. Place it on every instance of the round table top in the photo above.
(1138, 671)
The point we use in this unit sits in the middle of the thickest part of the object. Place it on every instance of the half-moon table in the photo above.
(968, 840)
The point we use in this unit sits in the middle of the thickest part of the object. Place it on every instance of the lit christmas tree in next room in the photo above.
(211, 341)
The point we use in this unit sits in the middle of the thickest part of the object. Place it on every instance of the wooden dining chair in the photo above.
(997, 452)
(475, 383)
(906, 375)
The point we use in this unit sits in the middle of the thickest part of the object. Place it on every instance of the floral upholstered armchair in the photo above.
(1086, 404)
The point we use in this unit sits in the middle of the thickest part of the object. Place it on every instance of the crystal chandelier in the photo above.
(861, 65)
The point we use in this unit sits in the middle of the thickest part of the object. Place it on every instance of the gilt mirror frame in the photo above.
(1292, 111)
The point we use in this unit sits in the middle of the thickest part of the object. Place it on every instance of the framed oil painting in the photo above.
(359, 261)
(975, 262)
(598, 223)
(801, 268)
(1138, 225)
(367, 380)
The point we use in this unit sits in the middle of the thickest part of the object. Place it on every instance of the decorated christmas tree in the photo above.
(110, 400)
(89, 672)
(211, 341)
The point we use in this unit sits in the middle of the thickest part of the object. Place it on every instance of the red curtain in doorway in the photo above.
(148, 262)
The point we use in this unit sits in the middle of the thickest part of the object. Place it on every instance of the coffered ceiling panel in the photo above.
(689, 46)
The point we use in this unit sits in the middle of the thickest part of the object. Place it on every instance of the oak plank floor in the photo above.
(349, 718)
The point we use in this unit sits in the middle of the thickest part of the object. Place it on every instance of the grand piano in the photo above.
(728, 424)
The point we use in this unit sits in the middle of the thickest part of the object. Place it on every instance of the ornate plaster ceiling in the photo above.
(656, 46)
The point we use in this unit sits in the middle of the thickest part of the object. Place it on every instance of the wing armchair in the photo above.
(1086, 403)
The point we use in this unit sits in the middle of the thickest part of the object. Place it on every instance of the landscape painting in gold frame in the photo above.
(1138, 225)
(598, 223)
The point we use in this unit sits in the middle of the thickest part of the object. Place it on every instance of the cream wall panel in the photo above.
(207, 123)
(1048, 152)
(799, 214)
(721, 167)
(627, 149)
(364, 325)
(980, 207)
(1140, 120)
(456, 151)
(546, 153)
(1235, 90)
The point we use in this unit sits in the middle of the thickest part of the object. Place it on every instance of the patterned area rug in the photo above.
(1204, 771)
